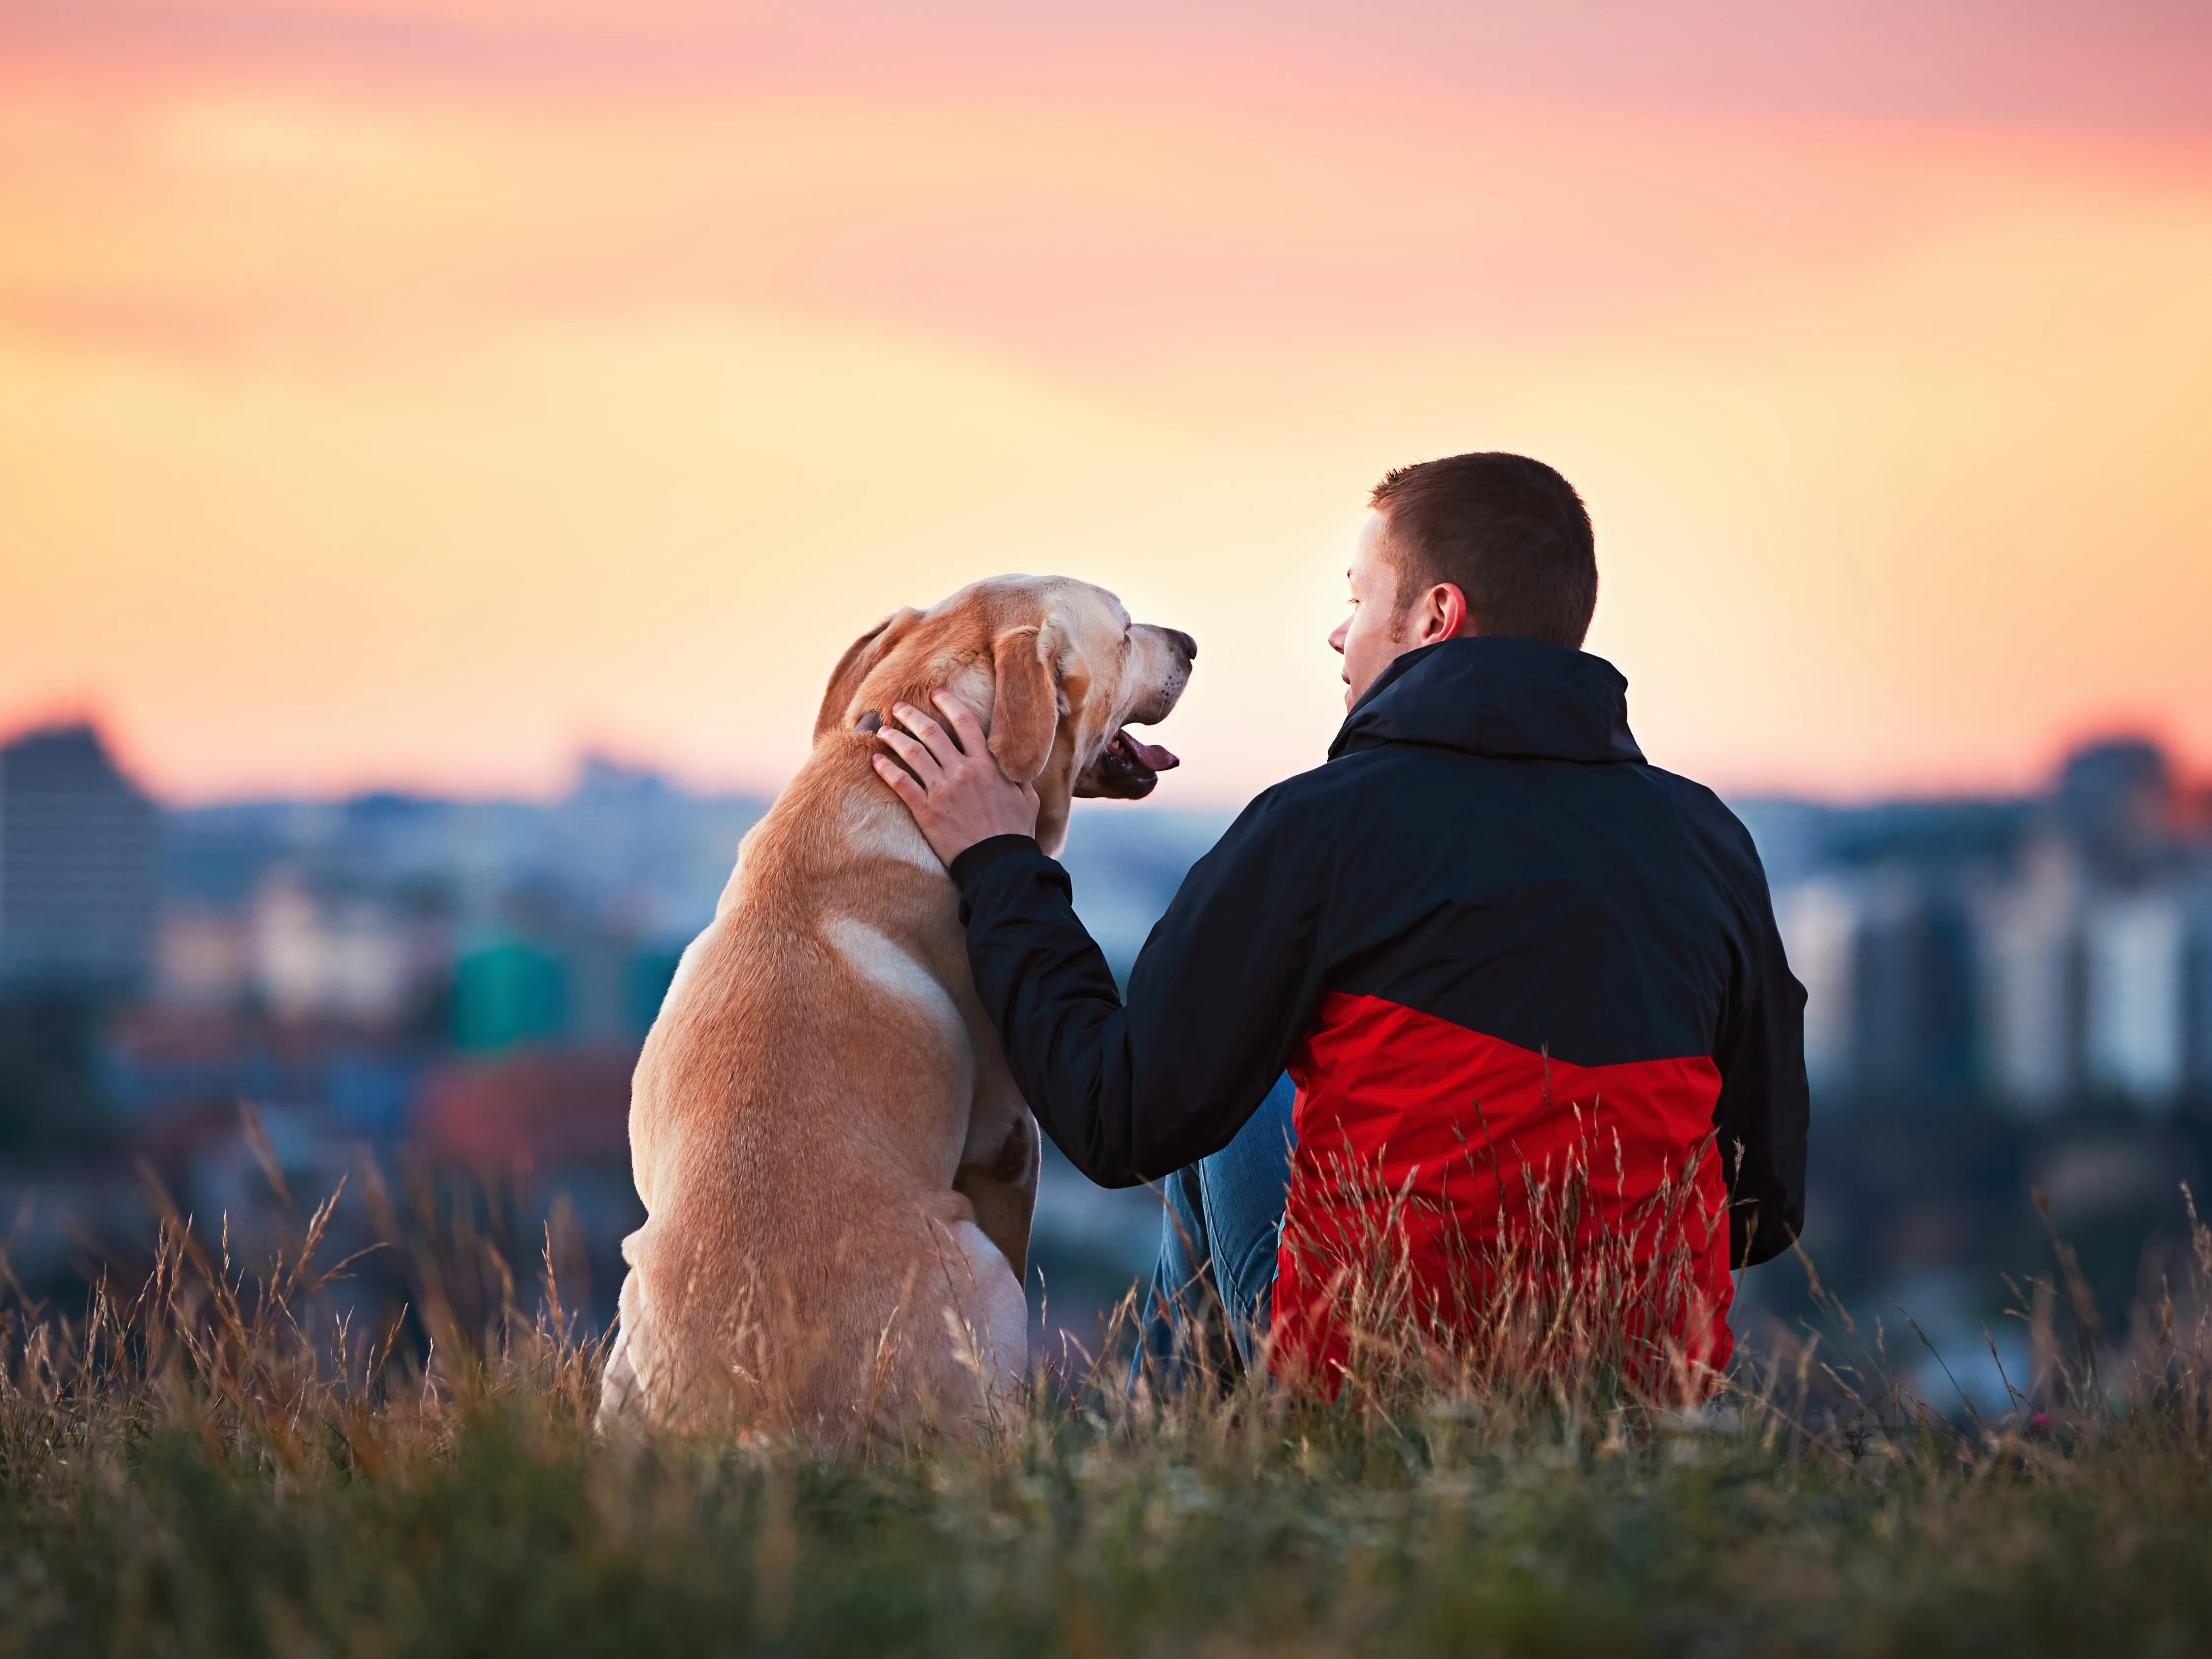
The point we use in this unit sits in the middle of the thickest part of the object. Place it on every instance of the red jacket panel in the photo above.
(1493, 1163)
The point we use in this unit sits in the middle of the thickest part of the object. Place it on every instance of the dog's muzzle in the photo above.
(1126, 770)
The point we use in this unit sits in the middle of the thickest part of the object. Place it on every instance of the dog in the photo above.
(837, 1169)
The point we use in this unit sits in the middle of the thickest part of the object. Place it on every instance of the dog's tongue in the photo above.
(1150, 756)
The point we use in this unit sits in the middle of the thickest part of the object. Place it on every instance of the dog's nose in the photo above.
(1189, 645)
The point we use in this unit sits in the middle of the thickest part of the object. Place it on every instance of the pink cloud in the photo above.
(2132, 65)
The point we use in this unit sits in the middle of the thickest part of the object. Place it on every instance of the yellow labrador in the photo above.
(838, 1173)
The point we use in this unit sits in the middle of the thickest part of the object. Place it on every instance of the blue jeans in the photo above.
(1214, 1288)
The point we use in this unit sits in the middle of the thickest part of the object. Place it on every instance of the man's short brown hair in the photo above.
(1509, 532)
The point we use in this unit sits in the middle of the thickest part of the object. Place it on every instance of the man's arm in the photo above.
(1763, 1106)
(1217, 998)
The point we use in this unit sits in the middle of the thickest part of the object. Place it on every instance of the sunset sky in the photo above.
(414, 392)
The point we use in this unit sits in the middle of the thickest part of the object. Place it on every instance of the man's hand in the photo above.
(962, 797)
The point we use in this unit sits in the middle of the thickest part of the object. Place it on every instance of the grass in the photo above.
(216, 1461)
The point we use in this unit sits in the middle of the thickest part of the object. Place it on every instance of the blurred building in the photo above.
(2042, 956)
(2029, 935)
(341, 956)
(1820, 920)
(1887, 953)
(80, 849)
(2134, 1003)
(203, 958)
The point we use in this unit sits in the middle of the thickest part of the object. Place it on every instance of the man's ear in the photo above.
(863, 654)
(1026, 709)
(1442, 613)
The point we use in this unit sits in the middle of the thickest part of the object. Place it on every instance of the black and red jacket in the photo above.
(1490, 943)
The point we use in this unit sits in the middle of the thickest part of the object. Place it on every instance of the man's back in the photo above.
(1486, 933)
(1523, 873)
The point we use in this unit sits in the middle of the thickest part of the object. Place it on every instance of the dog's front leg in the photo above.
(997, 1174)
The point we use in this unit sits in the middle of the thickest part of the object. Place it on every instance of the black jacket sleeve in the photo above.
(1764, 1105)
(1218, 999)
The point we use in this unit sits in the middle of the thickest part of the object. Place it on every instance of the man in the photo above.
(1511, 968)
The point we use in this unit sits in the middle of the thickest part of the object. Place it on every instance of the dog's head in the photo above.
(1053, 667)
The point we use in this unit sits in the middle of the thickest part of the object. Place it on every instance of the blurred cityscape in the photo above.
(449, 992)
(219, 1004)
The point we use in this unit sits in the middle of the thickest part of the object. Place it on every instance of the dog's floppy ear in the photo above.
(852, 668)
(1026, 708)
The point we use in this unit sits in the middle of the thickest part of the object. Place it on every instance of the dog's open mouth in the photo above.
(1127, 769)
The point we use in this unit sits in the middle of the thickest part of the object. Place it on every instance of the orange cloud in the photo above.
(401, 434)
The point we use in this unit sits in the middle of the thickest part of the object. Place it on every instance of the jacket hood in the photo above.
(1509, 699)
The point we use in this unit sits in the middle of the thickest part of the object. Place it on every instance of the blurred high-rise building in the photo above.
(2037, 954)
(2031, 974)
(79, 865)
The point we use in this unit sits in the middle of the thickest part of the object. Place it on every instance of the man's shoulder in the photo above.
(1298, 819)
(1706, 816)
(1347, 782)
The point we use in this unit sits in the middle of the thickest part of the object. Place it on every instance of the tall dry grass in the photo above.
(224, 1458)
(1575, 1296)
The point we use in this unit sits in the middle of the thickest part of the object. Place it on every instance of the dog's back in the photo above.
(797, 1121)
(837, 1169)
